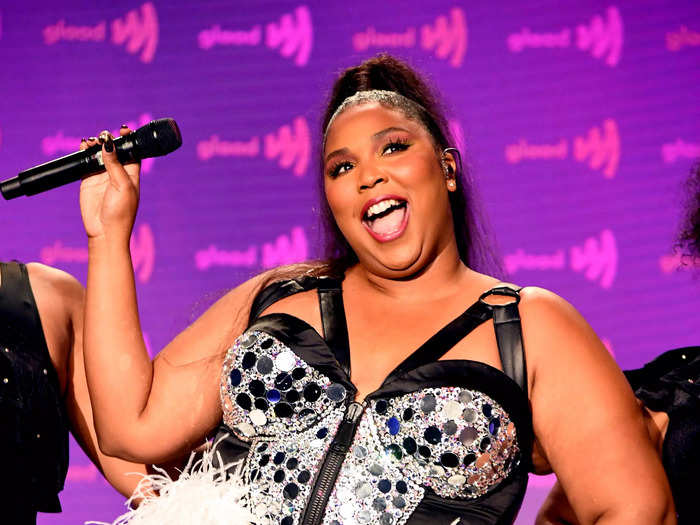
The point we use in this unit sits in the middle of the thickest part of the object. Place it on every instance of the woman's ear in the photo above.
(449, 168)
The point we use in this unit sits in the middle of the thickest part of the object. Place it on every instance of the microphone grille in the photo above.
(158, 137)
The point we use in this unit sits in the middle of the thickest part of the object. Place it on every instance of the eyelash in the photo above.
(399, 143)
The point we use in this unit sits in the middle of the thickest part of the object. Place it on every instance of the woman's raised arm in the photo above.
(145, 411)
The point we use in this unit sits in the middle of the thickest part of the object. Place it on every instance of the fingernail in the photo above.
(124, 126)
(83, 140)
(109, 144)
(92, 139)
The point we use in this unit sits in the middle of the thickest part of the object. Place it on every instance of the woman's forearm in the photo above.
(118, 367)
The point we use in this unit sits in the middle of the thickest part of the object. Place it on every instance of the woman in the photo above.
(668, 393)
(353, 426)
(43, 392)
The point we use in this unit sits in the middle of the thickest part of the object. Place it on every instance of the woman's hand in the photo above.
(109, 200)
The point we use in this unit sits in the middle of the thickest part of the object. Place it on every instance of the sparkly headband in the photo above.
(386, 98)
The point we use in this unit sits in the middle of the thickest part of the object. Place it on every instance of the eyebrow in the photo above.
(375, 137)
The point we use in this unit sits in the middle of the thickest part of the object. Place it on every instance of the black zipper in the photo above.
(331, 464)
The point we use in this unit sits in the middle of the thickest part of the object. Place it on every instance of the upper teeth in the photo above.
(382, 206)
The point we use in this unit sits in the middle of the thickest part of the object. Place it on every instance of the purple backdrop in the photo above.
(580, 121)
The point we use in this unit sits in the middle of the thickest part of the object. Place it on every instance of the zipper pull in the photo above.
(354, 411)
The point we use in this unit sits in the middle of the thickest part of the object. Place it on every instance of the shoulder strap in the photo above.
(442, 341)
(509, 336)
(335, 327)
(277, 291)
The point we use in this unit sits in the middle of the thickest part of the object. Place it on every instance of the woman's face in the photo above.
(387, 190)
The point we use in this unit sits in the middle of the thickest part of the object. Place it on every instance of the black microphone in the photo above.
(157, 138)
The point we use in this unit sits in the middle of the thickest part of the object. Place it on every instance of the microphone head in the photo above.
(157, 138)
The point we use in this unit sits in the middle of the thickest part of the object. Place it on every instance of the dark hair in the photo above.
(689, 238)
(385, 72)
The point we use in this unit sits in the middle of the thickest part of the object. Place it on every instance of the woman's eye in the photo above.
(339, 169)
(395, 146)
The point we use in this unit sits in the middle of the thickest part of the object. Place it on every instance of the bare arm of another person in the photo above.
(145, 411)
(60, 300)
(586, 420)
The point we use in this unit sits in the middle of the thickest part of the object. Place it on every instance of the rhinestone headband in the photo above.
(386, 98)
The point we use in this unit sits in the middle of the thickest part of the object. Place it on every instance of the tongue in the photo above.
(389, 223)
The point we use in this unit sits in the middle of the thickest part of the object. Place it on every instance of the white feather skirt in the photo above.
(202, 495)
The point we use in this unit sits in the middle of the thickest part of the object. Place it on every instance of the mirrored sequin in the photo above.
(257, 417)
(235, 377)
(364, 516)
(468, 435)
(248, 341)
(248, 361)
(465, 396)
(376, 469)
(452, 409)
(363, 489)
(285, 361)
(450, 428)
(394, 426)
(379, 504)
(457, 480)
(432, 435)
(283, 381)
(449, 460)
(360, 452)
(273, 396)
(428, 403)
(264, 365)
(335, 392)
(469, 415)
(312, 392)
(256, 388)
(398, 502)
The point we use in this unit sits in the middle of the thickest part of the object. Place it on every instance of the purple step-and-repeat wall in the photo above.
(580, 121)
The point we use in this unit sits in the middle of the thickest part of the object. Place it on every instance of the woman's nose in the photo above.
(370, 178)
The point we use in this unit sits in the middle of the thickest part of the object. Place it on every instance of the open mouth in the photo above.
(386, 219)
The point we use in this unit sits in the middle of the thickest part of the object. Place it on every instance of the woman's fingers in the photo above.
(124, 130)
(117, 174)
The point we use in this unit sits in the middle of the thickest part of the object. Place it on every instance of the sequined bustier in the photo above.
(439, 441)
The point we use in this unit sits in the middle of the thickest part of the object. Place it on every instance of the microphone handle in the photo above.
(63, 170)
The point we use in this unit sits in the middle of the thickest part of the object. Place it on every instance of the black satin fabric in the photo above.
(33, 420)
(671, 383)
(501, 504)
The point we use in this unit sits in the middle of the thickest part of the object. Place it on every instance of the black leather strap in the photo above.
(509, 336)
(440, 343)
(275, 292)
(335, 327)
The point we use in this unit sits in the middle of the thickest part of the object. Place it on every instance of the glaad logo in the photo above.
(676, 40)
(142, 245)
(596, 259)
(60, 143)
(285, 249)
(137, 31)
(680, 149)
(447, 37)
(602, 38)
(599, 148)
(292, 36)
(290, 145)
